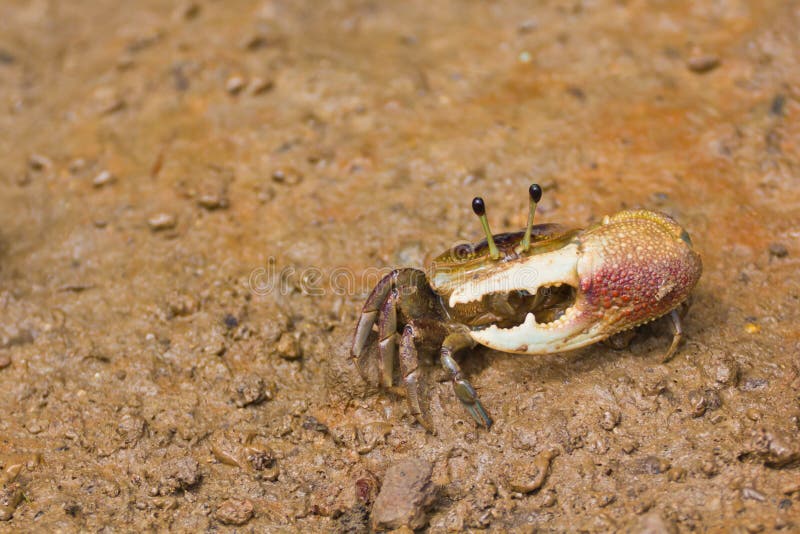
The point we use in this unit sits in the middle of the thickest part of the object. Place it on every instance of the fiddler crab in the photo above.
(544, 290)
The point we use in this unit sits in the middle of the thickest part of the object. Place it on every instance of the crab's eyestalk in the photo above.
(535, 192)
(479, 208)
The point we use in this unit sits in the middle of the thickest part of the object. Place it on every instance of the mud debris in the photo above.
(10, 497)
(406, 493)
(250, 389)
(773, 448)
(723, 370)
(5, 361)
(176, 475)
(533, 476)
(234, 512)
(653, 465)
(702, 400)
(654, 523)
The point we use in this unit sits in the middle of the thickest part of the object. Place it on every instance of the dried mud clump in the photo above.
(234, 512)
(405, 496)
(176, 475)
(10, 497)
(772, 448)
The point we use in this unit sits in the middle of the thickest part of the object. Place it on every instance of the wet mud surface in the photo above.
(195, 198)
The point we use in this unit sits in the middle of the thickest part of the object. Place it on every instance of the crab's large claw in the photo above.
(631, 268)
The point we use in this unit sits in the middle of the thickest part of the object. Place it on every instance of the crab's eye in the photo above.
(463, 251)
(685, 238)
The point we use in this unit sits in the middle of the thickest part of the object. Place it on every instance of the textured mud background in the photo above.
(156, 156)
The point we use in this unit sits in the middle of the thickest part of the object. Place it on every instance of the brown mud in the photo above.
(156, 156)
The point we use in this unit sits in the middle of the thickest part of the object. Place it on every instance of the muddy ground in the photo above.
(195, 197)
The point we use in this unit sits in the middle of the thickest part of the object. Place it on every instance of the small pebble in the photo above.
(527, 26)
(5, 361)
(234, 512)
(754, 383)
(703, 63)
(709, 467)
(610, 419)
(235, 84)
(752, 414)
(230, 321)
(77, 165)
(212, 201)
(774, 448)
(287, 176)
(104, 178)
(725, 371)
(778, 250)
(258, 39)
(260, 86)
(629, 446)
(37, 162)
(249, 389)
(676, 474)
(175, 475)
(215, 345)
(778, 103)
(288, 346)
(653, 465)
(188, 11)
(753, 494)
(791, 487)
(162, 221)
(701, 400)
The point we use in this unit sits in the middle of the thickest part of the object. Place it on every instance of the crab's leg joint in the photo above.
(535, 193)
(369, 314)
(677, 329)
(463, 389)
(479, 207)
(387, 346)
(412, 377)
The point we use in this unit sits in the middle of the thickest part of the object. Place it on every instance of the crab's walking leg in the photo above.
(387, 344)
(369, 313)
(409, 368)
(463, 389)
(677, 328)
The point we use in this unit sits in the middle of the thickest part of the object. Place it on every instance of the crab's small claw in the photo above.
(469, 398)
